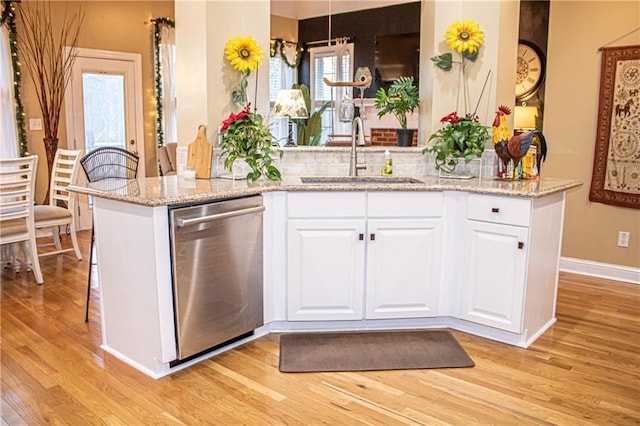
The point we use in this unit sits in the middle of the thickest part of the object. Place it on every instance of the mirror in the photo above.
(393, 21)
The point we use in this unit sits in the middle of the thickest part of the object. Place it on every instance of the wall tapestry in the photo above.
(616, 164)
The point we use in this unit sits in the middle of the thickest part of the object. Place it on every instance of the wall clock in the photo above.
(530, 70)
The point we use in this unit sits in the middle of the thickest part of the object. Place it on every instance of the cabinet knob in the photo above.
(361, 237)
(372, 237)
(520, 245)
(495, 210)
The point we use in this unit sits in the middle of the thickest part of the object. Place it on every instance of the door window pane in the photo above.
(104, 110)
(335, 63)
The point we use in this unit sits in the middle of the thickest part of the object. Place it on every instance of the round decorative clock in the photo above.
(530, 70)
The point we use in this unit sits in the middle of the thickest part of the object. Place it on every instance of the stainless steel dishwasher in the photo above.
(216, 255)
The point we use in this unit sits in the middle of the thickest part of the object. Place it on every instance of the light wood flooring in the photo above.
(584, 370)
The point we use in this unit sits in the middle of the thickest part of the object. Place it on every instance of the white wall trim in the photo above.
(601, 270)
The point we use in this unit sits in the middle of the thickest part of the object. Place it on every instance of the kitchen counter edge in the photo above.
(174, 190)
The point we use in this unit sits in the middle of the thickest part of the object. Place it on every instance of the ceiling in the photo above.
(303, 9)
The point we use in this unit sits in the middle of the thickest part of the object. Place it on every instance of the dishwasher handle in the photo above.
(180, 222)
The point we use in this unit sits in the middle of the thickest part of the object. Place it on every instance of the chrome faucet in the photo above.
(353, 163)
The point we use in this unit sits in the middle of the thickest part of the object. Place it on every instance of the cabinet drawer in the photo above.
(404, 204)
(510, 211)
(326, 204)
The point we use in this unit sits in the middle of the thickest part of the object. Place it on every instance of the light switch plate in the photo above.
(35, 124)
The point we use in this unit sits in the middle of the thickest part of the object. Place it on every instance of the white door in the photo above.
(325, 279)
(103, 104)
(403, 268)
(494, 267)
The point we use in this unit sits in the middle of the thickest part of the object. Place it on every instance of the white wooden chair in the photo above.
(60, 210)
(17, 187)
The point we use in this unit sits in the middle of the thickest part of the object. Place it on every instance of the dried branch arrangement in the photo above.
(48, 64)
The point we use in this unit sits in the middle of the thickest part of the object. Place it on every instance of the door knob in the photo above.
(133, 147)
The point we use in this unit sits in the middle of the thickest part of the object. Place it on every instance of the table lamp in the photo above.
(524, 118)
(290, 104)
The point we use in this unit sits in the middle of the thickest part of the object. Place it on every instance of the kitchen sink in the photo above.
(358, 180)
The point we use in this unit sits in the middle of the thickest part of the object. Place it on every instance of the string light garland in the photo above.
(8, 18)
(157, 41)
(278, 45)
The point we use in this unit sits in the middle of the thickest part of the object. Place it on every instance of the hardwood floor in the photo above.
(585, 370)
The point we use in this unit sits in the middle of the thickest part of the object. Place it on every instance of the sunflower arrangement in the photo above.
(462, 136)
(245, 55)
(465, 38)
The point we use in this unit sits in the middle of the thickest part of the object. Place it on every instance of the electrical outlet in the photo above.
(35, 124)
(623, 239)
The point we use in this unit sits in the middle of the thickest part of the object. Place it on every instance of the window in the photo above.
(280, 77)
(336, 64)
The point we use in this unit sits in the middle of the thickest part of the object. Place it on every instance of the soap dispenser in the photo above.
(387, 168)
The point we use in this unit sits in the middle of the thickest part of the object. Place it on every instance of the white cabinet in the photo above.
(494, 274)
(403, 267)
(325, 274)
(392, 237)
(510, 264)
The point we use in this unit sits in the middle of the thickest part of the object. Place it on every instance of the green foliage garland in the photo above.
(277, 46)
(157, 23)
(8, 18)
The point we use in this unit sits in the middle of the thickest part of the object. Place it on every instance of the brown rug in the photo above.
(370, 350)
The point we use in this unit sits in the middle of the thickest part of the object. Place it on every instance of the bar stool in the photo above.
(106, 163)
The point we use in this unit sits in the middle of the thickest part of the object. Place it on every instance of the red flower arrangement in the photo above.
(245, 135)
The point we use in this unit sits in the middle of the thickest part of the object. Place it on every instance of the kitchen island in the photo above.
(476, 255)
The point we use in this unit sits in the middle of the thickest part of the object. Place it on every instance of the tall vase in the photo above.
(50, 148)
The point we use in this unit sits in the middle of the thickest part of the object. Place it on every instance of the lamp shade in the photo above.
(524, 117)
(290, 103)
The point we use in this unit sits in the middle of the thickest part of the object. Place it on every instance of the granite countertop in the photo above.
(174, 190)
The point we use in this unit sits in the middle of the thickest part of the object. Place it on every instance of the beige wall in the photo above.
(205, 79)
(122, 26)
(576, 30)
(284, 28)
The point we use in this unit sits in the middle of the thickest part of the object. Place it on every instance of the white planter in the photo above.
(240, 169)
(472, 169)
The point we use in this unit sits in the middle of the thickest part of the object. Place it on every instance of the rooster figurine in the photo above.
(519, 145)
(501, 133)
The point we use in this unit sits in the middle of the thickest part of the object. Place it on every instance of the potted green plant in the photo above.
(245, 136)
(460, 138)
(401, 99)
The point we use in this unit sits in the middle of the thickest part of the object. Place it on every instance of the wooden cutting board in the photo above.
(199, 154)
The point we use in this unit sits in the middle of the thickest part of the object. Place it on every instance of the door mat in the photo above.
(370, 350)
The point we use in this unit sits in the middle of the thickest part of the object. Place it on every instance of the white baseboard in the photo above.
(601, 270)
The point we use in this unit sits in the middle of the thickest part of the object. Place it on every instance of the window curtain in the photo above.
(8, 126)
(168, 67)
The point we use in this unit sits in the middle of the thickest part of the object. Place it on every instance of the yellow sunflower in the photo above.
(244, 53)
(465, 36)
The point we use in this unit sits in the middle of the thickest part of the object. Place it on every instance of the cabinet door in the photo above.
(494, 265)
(403, 267)
(325, 277)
